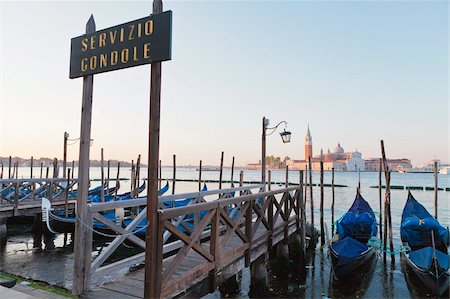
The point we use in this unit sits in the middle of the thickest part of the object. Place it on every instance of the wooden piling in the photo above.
(380, 199)
(117, 181)
(200, 176)
(270, 210)
(436, 190)
(73, 168)
(31, 167)
(174, 173)
(107, 175)
(66, 135)
(47, 171)
(138, 175)
(102, 190)
(42, 165)
(221, 171)
(132, 180)
(286, 207)
(9, 167)
(55, 168)
(322, 227)
(302, 215)
(232, 173)
(66, 195)
(311, 198)
(269, 181)
(332, 201)
(387, 206)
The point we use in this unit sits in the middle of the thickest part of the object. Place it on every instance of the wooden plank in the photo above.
(103, 293)
(119, 287)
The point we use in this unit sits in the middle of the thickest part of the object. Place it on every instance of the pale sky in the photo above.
(356, 71)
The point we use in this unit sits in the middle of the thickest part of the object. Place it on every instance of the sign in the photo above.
(134, 43)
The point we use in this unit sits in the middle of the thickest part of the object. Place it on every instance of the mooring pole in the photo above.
(332, 201)
(174, 178)
(66, 135)
(83, 236)
(311, 200)
(322, 227)
(436, 190)
(232, 172)
(263, 154)
(160, 175)
(102, 190)
(221, 171)
(380, 199)
(200, 176)
(153, 252)
(387, 206)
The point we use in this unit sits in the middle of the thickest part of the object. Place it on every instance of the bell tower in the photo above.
(308, 145)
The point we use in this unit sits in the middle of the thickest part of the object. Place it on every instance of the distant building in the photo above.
(338, 159)
(400, 165)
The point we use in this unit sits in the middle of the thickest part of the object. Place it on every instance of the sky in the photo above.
(355, 71)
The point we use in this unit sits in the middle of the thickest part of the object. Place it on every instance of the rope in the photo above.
(376, 243)
(99, 232)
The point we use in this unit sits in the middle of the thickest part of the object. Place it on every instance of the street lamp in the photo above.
(285, 136)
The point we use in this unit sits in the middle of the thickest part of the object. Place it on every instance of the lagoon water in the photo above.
(26, 255)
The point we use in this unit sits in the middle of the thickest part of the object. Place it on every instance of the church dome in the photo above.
(339, 149)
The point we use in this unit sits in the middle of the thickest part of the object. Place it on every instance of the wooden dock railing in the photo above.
(216, 229)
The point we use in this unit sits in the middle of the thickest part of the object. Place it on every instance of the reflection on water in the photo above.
(30, 252)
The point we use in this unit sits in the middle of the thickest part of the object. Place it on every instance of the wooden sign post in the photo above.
(143, 41)
(83, 236)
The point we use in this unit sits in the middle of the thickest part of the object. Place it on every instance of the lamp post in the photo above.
(285, 136)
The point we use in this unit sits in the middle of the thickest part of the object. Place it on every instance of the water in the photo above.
(26, 255)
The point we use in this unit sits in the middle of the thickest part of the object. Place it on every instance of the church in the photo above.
(338, 159)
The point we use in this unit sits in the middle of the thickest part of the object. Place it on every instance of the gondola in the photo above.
(349, 252)
(428, 242)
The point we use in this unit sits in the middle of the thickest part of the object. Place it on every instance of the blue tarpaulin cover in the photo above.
(359, 222)
(348, 248)
(424, 257)
(417, 225)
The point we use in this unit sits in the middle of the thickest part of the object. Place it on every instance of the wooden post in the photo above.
(117, 181)
(153, 252)
(138, 175)
(31, 168)
(102, 190)
(221, 171)
(83, 236)
(66, 135)
(9, 169)
(436, 190)
(42, 165)
(73, 168)
(332, 201)
(33, 187)
(174, 174)
(200, 176)
(263, 153)
(132, 180)
(380, 199)
(311, 198)
(107, 175)
(232, 173)
(55, 168)
(302, 211)
(66, 197)
(387, 206)
(322, 227)
(47, 172)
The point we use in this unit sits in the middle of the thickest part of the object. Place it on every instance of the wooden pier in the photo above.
(22, 197)
(231, 229)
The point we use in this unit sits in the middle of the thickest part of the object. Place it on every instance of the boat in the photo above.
(427, 246)
(444, 170)
(349, 250)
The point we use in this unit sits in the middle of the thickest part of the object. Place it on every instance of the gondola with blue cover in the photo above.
(349, 252)
(428, 241)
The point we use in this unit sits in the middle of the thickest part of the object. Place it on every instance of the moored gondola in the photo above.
(349, 252)
(428, 241)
